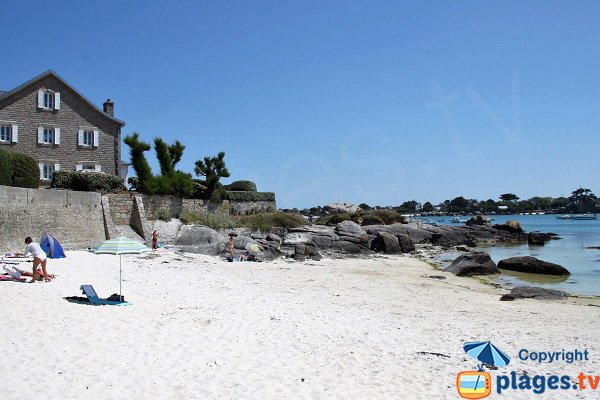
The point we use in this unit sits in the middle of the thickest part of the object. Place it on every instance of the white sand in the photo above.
(204, 328)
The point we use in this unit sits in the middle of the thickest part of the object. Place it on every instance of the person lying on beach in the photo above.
(39, 259)
(14, 271)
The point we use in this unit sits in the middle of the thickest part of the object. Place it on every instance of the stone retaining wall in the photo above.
(74, 218)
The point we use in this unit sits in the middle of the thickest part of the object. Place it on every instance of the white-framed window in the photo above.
(48, 135)
(48, 100)
(5, 133)
(88, 137)
(88, 166)
(47, 169)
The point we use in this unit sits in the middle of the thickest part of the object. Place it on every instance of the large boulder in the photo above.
(386, 243)
(473, 263)
(200, 239)
(322, 236)
(293, 238)
(167, 230)
(406, 243)
(345, 247)
(341, 208)
(510, 226)
(351, 232)
(531, 292)
(479, 220)
(532, 265)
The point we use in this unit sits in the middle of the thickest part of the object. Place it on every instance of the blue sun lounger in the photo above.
(92, 296)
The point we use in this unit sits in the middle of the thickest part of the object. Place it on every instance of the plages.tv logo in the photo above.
(478, 384)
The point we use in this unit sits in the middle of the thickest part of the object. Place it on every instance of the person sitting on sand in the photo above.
(39, 259)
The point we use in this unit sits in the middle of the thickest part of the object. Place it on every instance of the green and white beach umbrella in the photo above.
(120, 246)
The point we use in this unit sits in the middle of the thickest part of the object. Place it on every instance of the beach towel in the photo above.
(13, 273)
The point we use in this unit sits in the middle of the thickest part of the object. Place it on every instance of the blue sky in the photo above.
(377, 102)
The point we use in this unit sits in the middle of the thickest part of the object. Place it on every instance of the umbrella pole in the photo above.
(120, 279)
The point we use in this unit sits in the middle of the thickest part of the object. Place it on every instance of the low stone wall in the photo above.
(122, 206)
(74, 218)
(250, 207)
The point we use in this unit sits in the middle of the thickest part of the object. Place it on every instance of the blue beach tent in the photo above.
(51, 246)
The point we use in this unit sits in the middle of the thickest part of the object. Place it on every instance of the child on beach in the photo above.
(39, 259)
(230, 247)
(154, 240)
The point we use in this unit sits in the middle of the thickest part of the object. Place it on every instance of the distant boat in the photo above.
(579, 217)
(584, 216)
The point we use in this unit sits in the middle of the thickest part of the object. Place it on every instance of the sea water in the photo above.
(573, 251)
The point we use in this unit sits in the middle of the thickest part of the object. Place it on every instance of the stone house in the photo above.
(49, 120)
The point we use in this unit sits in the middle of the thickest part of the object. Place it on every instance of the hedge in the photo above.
(242, 186)
(86, 181)
(26, 172)
(251, 196)
(6, 169)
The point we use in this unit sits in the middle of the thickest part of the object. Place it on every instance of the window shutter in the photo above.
(56, 135)
(80, 137)
(96, 138)
(41, 165)
(78, 167)
(57, 101)
(40, 99)
(97, 168)
(40, 134)
(56, 167)
(15, 133)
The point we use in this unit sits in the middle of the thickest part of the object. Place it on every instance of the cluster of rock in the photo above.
(480, 263)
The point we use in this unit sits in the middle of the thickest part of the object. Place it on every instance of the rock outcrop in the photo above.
(532, 292)
(532, 265)
(510, 226)
(479, 220)
(200, 239)
(473, 263)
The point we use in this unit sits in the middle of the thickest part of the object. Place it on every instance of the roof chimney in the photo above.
(109, 107)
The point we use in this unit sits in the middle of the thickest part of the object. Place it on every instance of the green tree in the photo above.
(140, 165)
(364, 206)
(410, 205)
(509, 197)
(583, 198)
(164, 157)
(459, 203)
(213, 169)
(427, 207)
(176, 152)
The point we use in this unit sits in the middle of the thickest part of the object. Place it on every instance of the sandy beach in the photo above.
(203, 328)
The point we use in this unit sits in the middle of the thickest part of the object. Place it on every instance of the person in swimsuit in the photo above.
(154, 240)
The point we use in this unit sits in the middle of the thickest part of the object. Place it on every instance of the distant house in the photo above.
(49, 120)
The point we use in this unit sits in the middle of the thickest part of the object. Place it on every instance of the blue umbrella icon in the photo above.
(487, 354)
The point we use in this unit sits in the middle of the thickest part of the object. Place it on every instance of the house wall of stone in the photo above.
(74, 114)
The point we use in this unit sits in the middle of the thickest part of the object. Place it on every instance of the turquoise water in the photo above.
(572, 252)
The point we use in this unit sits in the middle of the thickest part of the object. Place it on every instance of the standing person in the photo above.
(230, 247)
(39, 259)
(154, 240)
